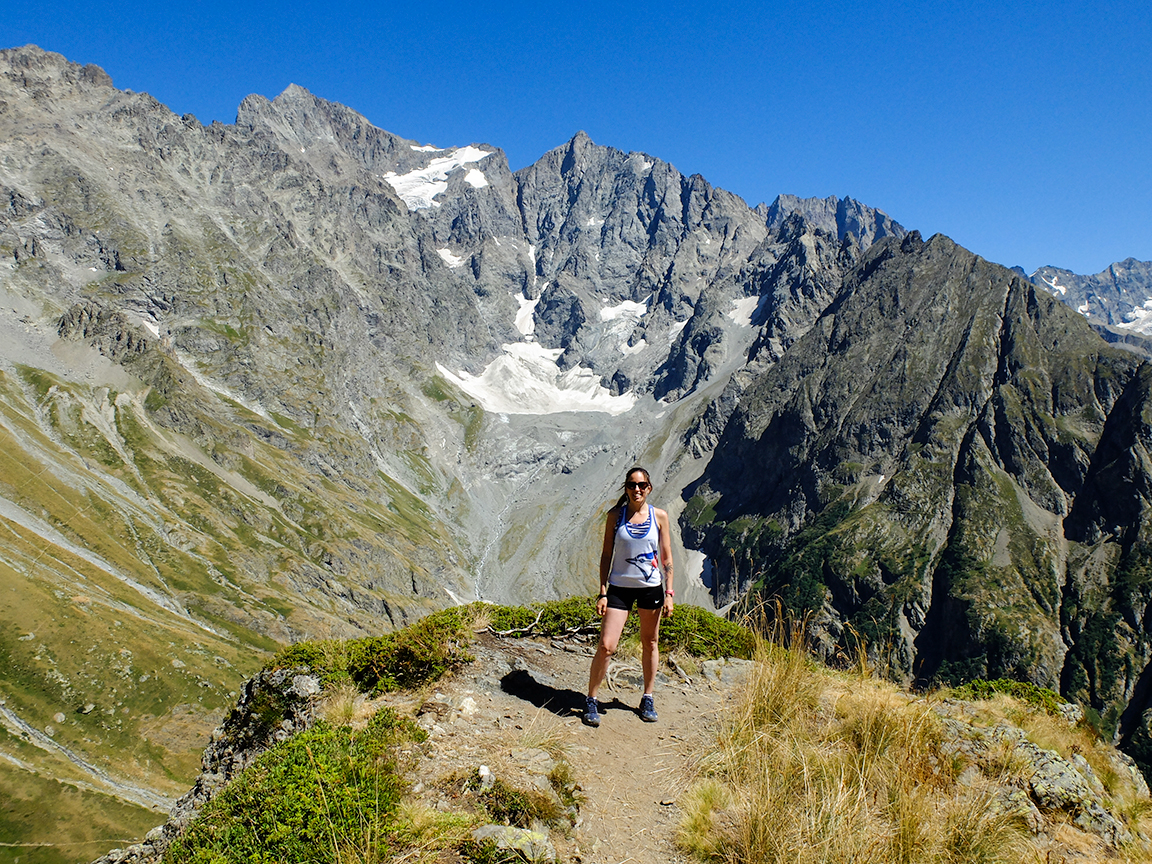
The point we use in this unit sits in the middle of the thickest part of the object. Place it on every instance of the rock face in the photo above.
(272, 706)
(1118, 300)
(309, 377)
(300, 376)
(950, 463)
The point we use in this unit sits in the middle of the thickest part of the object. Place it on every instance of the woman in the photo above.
(636, 539)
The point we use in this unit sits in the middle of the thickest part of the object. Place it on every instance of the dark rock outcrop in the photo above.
(952, 464)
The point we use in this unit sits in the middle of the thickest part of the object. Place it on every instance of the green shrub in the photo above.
(423, 652)
(417, 655)
(703, 634)
(510, 806)
(1031, 694)
(556, 616)
(564, 784)
(691, 628)
(487, 852)
(315, 797)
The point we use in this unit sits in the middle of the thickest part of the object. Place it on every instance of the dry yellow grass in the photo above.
(814, 765)
(547, 732)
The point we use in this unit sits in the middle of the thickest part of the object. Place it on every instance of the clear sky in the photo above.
(1021, 130)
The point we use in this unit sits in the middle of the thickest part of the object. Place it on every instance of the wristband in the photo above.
(602, 597)
(670, 593)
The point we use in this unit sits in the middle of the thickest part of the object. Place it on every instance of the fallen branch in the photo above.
(578, 630)
(676, 668)
(517, 630)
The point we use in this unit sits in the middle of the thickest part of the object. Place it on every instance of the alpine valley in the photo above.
(299, 377)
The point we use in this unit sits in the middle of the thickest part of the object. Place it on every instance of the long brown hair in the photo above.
(624, 497)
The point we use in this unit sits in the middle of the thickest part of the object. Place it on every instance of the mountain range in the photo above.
(297, 376)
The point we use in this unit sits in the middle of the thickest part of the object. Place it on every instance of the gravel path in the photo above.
(519, 705)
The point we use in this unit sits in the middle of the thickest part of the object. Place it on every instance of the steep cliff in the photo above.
(952, 464)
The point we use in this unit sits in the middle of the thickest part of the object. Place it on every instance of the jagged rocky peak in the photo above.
(302, 120)
(1119, 297)
(949, 462)
(838, 216)
(49, 75)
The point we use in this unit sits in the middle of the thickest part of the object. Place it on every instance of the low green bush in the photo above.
(438, 643)
(487, 852)
(690, 629)
(508, 805)
(321, 795)
(1031, 694)
(411, 657)
(703, 634)
(556, 616)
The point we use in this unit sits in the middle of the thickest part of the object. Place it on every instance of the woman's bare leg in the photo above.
(650, 645)
(610, 630)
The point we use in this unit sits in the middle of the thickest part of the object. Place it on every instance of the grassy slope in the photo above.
(816, 765)
(39, 810)
(92, 472)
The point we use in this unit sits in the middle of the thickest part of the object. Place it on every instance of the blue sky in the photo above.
(1021, 130)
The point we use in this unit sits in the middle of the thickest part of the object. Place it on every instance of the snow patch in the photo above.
(148, 325)
(418, 188)
(627, 309)
(427, 148)
(525, 323)
(453, 261)
(1139, 318)
(476, 179)
(628, 350)
(675, 329)
(1055, 288)
(526, 380)
(742, 310)
(1083, 308)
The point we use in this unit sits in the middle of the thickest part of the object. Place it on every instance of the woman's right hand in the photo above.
(601, 606)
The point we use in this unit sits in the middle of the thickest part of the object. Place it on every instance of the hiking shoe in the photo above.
(647, 709)
(591, 712)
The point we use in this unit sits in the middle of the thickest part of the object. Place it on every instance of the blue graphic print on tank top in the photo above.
(634, 552)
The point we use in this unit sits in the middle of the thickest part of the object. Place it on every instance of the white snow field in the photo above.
(525, 323)
(1139, 319)
(526, 380)
(626, 309)
(1055, 288)
(418, 188)
(742, 310)
(453, 261)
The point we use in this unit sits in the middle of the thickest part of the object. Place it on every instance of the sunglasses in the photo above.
(629, 484)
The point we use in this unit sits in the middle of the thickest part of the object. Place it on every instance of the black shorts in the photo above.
(644, 598)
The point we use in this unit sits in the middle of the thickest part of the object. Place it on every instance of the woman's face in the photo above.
(637, 487)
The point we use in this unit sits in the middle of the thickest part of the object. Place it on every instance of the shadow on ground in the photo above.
(561, 701)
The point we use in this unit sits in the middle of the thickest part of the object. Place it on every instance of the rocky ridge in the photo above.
(946, 464)
(513, 716)
(299, 376)
(1115, 300)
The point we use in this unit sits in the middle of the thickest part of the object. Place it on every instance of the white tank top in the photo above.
(635, 552)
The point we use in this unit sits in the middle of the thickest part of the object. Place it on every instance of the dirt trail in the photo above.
(522, 696)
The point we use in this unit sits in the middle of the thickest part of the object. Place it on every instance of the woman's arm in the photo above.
(666, 558)
(606, 559)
